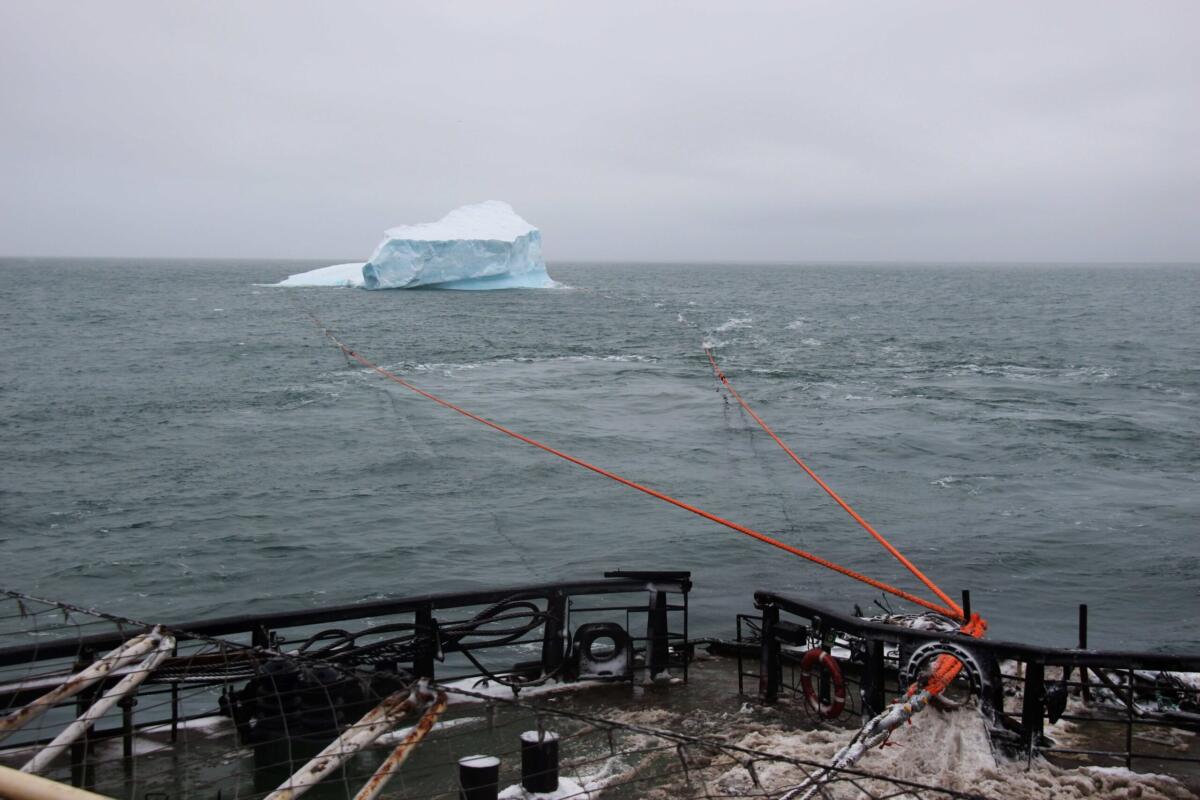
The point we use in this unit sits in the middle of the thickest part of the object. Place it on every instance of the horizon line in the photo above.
(667, 262)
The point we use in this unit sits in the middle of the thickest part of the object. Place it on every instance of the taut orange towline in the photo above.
(957, 612)
(762, 537)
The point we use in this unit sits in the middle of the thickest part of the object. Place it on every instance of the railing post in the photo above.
(740, 665)
(770, 671)
(657, 646)
(1031, 706)
(1129, 676)
(554, 633)
(1083, 643)
(873, 697)
(824, 684)
(79, 750)
(966, 603)
(174, 700)
(825, 638)
(260, 637)
(126, 704)
(426, 646)
(687, 656)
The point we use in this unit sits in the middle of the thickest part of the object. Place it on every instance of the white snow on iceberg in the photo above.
(481, 246)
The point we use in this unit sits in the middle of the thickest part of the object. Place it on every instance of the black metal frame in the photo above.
(822, 624)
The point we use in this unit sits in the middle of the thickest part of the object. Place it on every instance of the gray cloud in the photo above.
(793, 131)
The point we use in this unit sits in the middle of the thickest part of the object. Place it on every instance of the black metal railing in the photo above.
(876, 653)
(442, 636)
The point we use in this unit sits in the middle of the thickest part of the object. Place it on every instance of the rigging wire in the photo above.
(958, 612)
(349, 352)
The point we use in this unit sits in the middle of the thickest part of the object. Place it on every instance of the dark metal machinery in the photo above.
(868, 642)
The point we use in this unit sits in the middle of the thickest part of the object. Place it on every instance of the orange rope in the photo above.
(762, 537)
(947, 667)
(957, 612)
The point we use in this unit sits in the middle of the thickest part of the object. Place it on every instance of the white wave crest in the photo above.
(733, 324)
(447, 368)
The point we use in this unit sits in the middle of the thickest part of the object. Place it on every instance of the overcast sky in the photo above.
(690, 131)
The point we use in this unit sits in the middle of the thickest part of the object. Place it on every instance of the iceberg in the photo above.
(337, 275)
(481, 246)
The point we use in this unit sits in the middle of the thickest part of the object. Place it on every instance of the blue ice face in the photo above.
(458, 264)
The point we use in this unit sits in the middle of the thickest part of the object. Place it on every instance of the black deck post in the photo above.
(539, 761)
(554, 634)
(657, 646)
(1031, 705)
(873, 696)
(478, 778)
(426, 647)
(966, 604)
(770, 671)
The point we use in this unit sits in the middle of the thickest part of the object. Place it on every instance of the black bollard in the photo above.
(539, 761)
(478, 778)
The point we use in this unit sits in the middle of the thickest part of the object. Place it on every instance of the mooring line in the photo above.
(666, 498)
(958, 612)
(946, 668)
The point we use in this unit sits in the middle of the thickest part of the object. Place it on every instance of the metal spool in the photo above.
(980, 671)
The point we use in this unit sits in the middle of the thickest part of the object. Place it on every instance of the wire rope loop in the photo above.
(814, 660)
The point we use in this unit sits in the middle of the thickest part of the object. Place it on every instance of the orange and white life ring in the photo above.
(811, 659)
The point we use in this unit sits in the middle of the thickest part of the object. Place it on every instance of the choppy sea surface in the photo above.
(180, 441)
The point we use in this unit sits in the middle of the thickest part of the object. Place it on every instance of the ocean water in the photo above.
(180, 441)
